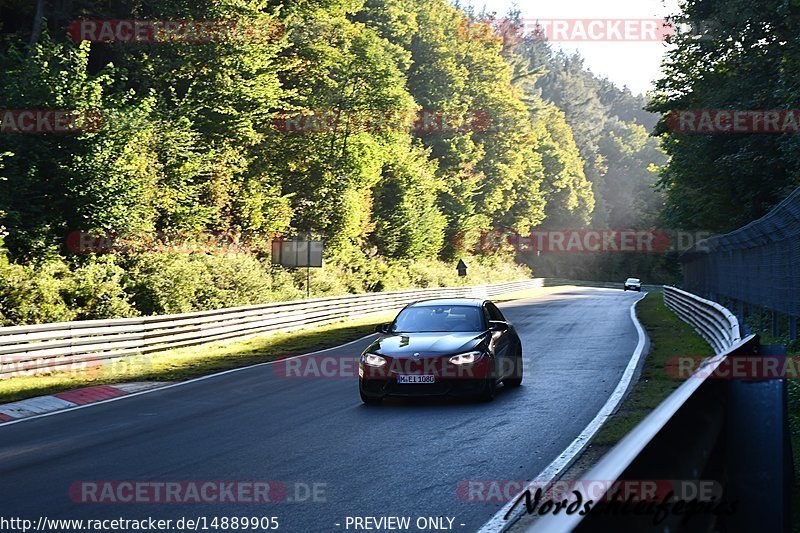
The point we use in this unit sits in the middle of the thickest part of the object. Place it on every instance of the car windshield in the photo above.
(438, 318)
(633, 280)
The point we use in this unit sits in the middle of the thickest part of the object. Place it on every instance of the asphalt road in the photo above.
(404, 458)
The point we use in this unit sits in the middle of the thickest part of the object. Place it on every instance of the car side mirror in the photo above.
(383, 328)
(498, 325)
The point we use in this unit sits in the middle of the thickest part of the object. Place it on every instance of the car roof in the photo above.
(471, 302)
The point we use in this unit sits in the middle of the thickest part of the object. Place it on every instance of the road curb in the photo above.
(13, 411)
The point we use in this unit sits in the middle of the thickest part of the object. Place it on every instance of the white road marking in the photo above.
(497, 523)
(136, 386)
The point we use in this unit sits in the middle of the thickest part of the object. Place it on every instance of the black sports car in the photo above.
(442, 347)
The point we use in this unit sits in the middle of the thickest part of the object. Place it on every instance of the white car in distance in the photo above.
(632, 284)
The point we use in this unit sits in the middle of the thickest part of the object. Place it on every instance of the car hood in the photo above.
(427, 344)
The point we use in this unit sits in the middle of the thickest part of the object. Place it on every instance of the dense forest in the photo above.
(397, 131)
(619, 158)
(731, 56)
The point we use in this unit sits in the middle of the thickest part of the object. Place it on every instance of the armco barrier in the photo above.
(718, 326)
(729, 431)
(62, 345)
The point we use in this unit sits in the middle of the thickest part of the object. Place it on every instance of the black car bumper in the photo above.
(446, 387)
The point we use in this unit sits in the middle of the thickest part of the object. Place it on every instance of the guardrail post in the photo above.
(759, 457)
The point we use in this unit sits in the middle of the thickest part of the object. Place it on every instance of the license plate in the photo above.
(415, 379)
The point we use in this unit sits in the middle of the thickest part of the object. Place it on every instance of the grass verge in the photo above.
(669, 337)
(194, 361)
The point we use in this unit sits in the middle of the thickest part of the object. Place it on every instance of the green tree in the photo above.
(408, 222)
(734, 55)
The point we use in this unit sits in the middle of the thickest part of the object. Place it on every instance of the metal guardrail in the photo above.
(718, 326)
(551, 282)
(729, 431)
(54, 346)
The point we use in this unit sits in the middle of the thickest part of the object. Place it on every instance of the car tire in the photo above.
(489, 388)
(515, 380)
(624, 288)
(370, 400)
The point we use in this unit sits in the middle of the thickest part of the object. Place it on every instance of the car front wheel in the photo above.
(515, 380)
(489, 389)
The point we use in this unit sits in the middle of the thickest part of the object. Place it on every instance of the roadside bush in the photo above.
(33, 295)
(96, 291)
(286, 285)
(234, 279)
(328, 281)
(431, 273)
(165, 283)
(174, 282)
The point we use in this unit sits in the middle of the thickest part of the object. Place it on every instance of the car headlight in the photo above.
(465, 358)
(373, 360)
